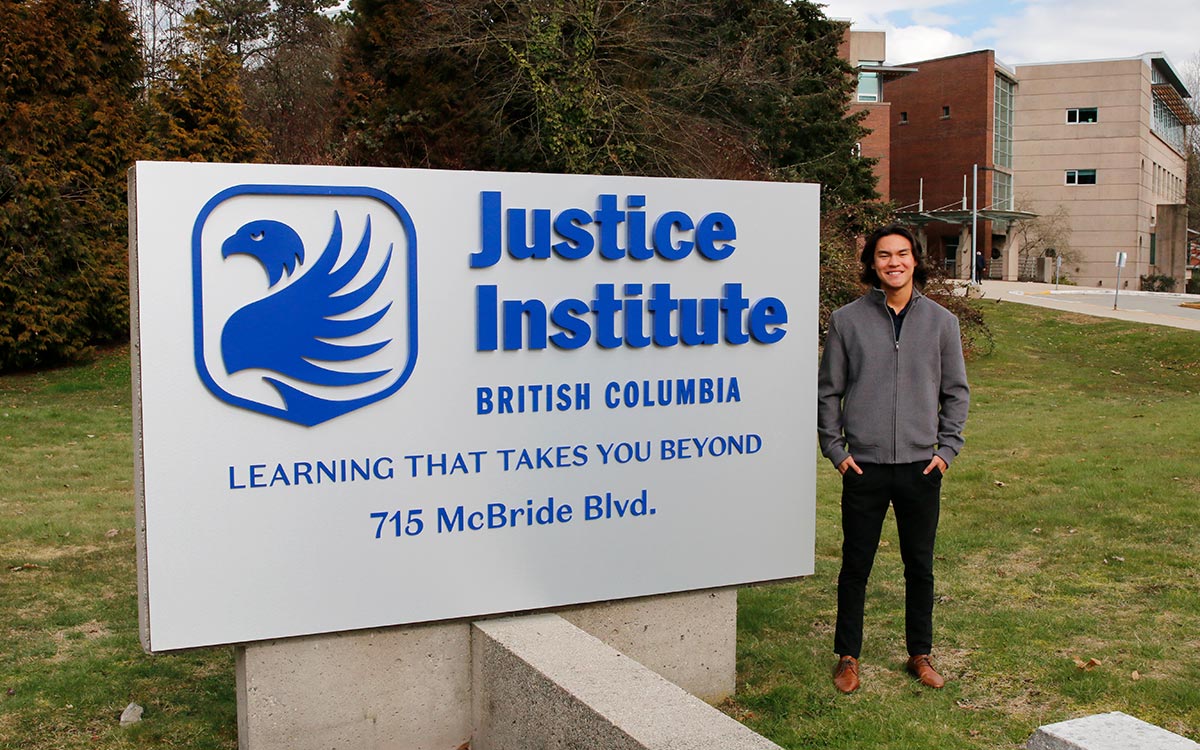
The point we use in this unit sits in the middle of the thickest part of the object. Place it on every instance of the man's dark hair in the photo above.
(920, 273)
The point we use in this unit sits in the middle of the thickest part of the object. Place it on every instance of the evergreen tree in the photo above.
(68, 132)
(199, 111)
(779, 73)
(289, 88)
(254, 75)
(749, 89)
(408, 90)
(237, 27)
(199, 115)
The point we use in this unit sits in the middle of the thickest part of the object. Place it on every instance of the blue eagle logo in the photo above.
(317, 327)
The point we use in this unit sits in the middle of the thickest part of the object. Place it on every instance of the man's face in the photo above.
(894, 262)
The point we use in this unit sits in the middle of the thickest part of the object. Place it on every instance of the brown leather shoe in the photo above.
(920, 667)
(845, 675)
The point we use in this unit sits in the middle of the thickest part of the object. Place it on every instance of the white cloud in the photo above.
(1094, 29)
(1029, 30)
(932, 18)
(882, 13)
(914, 43)
(916, 29)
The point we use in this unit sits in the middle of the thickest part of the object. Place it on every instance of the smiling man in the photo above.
(892, 401)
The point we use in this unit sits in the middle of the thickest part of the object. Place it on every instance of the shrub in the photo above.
(977, 339)
(1157, 282)
(841, 243)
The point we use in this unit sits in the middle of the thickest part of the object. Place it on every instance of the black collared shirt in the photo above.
(898, 317)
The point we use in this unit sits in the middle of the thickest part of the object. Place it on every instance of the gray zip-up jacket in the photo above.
(886, 400)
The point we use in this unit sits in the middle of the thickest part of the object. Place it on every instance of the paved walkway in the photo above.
(1156, 308)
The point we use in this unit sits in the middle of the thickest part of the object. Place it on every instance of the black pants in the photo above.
(916, 498)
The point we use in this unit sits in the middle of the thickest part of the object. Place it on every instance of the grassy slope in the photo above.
(1068, 532)
(69, 654)
(1088, 550)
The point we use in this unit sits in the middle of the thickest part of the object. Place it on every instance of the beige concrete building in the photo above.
(1105, 140)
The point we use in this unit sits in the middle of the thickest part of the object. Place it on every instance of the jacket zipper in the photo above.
(895, 378)
(896, 375)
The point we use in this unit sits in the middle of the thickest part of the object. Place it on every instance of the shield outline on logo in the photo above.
(341, 191)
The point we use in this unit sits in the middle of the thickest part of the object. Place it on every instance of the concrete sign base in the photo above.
(410, 686)
(539, 682)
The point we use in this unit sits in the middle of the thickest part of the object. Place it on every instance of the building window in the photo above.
(1153, 248)
(1166, 125)
(945, 111)
(1003, 121)
(1002, 190)
(868, 86)
(1083, 115)
(903, 118)
(1081, 177)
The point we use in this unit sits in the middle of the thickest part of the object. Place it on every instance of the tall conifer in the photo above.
(744, 89)
(200, 115)
(68, 133)
(199, 110)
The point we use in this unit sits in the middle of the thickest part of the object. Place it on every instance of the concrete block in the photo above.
(403, 688)
(689, 638)
(540, 683)
(409, 687)
(1111, 731)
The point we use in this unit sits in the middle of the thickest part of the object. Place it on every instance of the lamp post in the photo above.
(975, 216)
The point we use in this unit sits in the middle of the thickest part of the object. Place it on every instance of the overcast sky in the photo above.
(1023, 31)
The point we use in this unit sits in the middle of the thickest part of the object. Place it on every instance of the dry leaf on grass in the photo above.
(1088, 665)
(1135, 675)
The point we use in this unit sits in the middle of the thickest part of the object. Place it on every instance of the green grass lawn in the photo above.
(1068, 533)
(70, 660)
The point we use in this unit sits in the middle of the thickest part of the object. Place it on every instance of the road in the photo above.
(1156, 308)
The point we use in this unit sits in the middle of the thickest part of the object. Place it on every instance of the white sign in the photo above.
(1121, 258)
(368, 397)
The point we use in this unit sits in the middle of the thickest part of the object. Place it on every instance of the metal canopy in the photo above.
(963, 216)
(887, 72)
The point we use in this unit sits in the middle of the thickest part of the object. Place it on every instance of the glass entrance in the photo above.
(950, 256)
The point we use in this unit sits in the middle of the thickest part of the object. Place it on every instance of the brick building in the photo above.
(975, 142)
(866, 51)
(951, 159)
